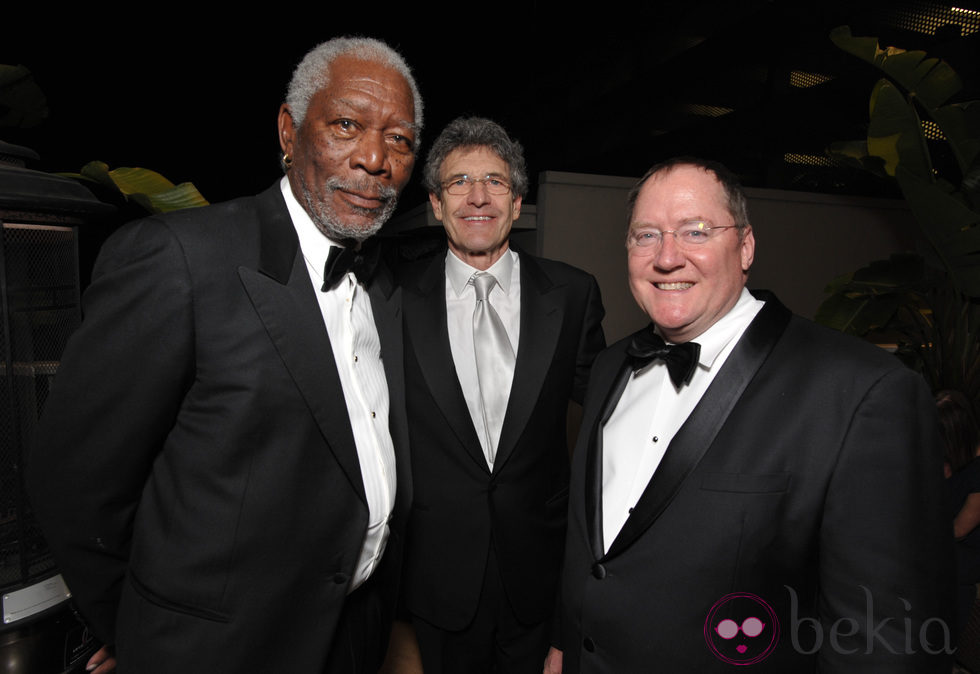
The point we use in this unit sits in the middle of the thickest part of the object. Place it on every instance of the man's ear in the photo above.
(436, 205)
(287, 131)
(747, 250)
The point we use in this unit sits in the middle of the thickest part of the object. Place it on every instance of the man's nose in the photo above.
(670, 255)
(478, 196)
(371, 154)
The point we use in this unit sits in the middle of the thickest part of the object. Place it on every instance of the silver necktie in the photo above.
(494, 363)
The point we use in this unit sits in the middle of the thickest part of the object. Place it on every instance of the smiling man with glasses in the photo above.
(496, 344)
(731, 449)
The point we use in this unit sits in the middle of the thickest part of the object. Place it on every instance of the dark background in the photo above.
(194, 92)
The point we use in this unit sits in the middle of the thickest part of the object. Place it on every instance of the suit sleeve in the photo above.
(111, 406)
(591, 340)
(885, 541)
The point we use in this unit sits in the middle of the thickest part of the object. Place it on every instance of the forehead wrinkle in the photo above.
(680, 222)
(490, 174)
(362, 106)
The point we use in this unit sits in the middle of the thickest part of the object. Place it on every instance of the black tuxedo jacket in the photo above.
(195, 471)
(459, 505)
(809, 475)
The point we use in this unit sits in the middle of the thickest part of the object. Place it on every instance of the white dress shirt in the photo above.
(356, 349)
(505, 298)
(652, 410)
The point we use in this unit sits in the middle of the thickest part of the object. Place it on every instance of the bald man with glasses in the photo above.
(748, 488)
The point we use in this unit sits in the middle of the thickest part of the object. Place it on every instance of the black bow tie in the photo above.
(363, 262)
(681, 359)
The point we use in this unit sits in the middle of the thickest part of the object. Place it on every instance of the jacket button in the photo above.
(588, 644)
(598, 571)
(340, 578)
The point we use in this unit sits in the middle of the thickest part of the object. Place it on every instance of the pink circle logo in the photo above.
(741, 629)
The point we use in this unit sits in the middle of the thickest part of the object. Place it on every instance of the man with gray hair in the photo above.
(221, 468)
(496, 344)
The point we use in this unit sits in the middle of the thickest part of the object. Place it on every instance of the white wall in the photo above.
(803, 240)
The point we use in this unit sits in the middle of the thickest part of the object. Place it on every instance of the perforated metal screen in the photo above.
(40, 303)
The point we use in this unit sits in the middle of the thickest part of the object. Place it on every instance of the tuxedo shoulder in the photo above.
(613, 353)
(208, 220)
(556, 268)
(193, 220)
(822, 344)
(218, 231)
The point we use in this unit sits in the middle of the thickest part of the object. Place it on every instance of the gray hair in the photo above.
(737, 204)
(474, 132)
(313, 73)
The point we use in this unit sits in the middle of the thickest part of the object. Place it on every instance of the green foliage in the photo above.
(22, 104)
(147, 188)
(866, 300)
(927, 302)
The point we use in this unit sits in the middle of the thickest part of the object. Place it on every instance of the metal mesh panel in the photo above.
(39, 275)
(928, 17)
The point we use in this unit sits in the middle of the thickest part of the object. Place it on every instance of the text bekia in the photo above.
(874, 630)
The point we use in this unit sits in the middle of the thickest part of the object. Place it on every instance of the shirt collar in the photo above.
(459, 273)
(714, 340)
(314, 243)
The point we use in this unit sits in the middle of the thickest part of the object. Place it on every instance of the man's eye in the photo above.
(459, 182)
(403, 142)
(494, 182)
(346, 126)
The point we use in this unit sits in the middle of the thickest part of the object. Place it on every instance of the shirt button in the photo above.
(355, 360)
(655, 438)
(372, 414)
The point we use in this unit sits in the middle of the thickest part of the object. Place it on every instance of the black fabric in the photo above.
(363, 261)
(681, 359)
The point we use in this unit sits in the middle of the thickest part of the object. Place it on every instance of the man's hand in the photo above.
(552, 663)
(104, 662)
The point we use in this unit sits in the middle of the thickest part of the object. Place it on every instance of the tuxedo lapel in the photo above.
(542, 314)
(593, 465)
(386, 305)
(699, 431)
(429, 334)
(284, 299)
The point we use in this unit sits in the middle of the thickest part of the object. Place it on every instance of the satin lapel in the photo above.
(386, 304)
(283, 297)
(425, 310)
(593, 466)
(542, 314)
(699, 431)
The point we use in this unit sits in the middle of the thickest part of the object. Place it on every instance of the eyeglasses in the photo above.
(689, 235)
(728, 628)
(461, 185)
